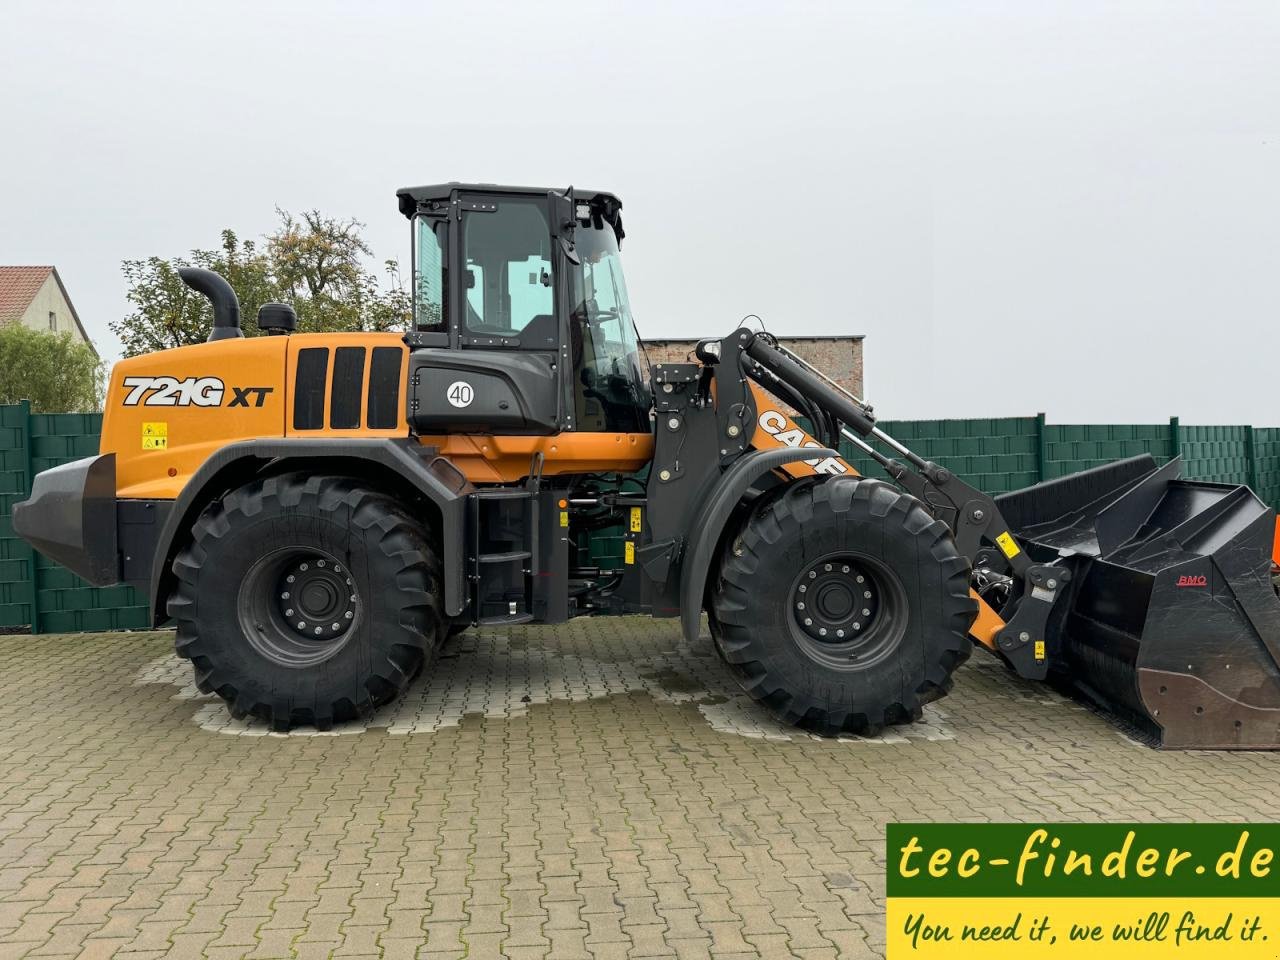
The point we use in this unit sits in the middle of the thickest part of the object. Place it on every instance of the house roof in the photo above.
(19, 286)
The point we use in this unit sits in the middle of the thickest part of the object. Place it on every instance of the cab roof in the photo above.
(410, 197)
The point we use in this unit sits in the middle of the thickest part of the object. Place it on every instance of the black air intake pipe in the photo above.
(226, 306)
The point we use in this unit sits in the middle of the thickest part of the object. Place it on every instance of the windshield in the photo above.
(612, 391)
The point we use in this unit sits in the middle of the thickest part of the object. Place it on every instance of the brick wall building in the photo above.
(840, 358)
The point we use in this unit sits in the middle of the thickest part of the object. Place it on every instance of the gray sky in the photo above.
(1059, 206)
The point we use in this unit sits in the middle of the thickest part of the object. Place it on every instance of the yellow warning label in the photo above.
(635, 519)
(155, 436)
(629, 553)
(1007, 544)
(1039, 649)
(564, 518)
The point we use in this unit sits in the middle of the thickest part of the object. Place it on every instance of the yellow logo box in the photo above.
(1082, 890)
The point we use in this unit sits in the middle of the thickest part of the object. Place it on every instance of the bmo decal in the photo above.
(780, 428)
(189, 392)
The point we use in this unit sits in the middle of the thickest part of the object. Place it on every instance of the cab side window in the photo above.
(429, 277)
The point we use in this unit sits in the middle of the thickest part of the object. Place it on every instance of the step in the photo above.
(503, 493)
(510, 556)
(505, 621)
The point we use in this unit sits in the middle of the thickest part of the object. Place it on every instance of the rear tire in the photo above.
(263, 610)
(843, 606)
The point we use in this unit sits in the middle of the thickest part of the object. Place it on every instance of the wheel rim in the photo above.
(298, 606)
(847, 611)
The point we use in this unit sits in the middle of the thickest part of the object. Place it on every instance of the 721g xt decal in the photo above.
(190, 392)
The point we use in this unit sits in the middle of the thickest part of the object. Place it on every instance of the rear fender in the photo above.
(434, 477)
(711, 514)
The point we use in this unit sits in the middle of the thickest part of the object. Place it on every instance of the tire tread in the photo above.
(400, 539)
(744, 648)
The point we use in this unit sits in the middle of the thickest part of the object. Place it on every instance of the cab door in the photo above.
(501, 372)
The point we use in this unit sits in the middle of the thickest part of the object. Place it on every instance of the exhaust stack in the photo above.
(226, 306)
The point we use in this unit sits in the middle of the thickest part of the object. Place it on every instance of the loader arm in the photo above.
(974, 517)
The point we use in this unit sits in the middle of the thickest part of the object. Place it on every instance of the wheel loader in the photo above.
(316, 513)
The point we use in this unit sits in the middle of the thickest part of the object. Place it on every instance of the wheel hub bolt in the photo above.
(290, 578)
(866, 611)
(808, 622)
(857, 626)
(839, 633)
(861, 579)
(285, 595)
(289, 612)
(822, 631)
(804, 587)
(347, 614)
(827, 568)
(799, 606)
(303, 566)
(866, 594)
(813, 574)
(335, 626)
(302, 624)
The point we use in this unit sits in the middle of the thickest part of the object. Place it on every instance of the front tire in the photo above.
(306, 600)
(843, 606)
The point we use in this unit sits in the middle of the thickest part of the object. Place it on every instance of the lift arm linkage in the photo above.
(973, 516)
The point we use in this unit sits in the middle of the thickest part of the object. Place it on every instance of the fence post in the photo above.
(28, 480)
(1042, 450)
(1251, 459)
(1175, 437)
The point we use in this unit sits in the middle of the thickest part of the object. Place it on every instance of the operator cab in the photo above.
(521, 322)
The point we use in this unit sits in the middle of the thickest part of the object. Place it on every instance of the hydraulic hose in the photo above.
(822, 428)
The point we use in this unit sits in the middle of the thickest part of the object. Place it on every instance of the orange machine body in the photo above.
(168, 412)
(775, 428)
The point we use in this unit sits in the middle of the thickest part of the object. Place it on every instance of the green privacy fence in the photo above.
(35, 591)
(996, 455)
(999, 455)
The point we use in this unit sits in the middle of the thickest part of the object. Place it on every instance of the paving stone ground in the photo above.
(592, 790)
